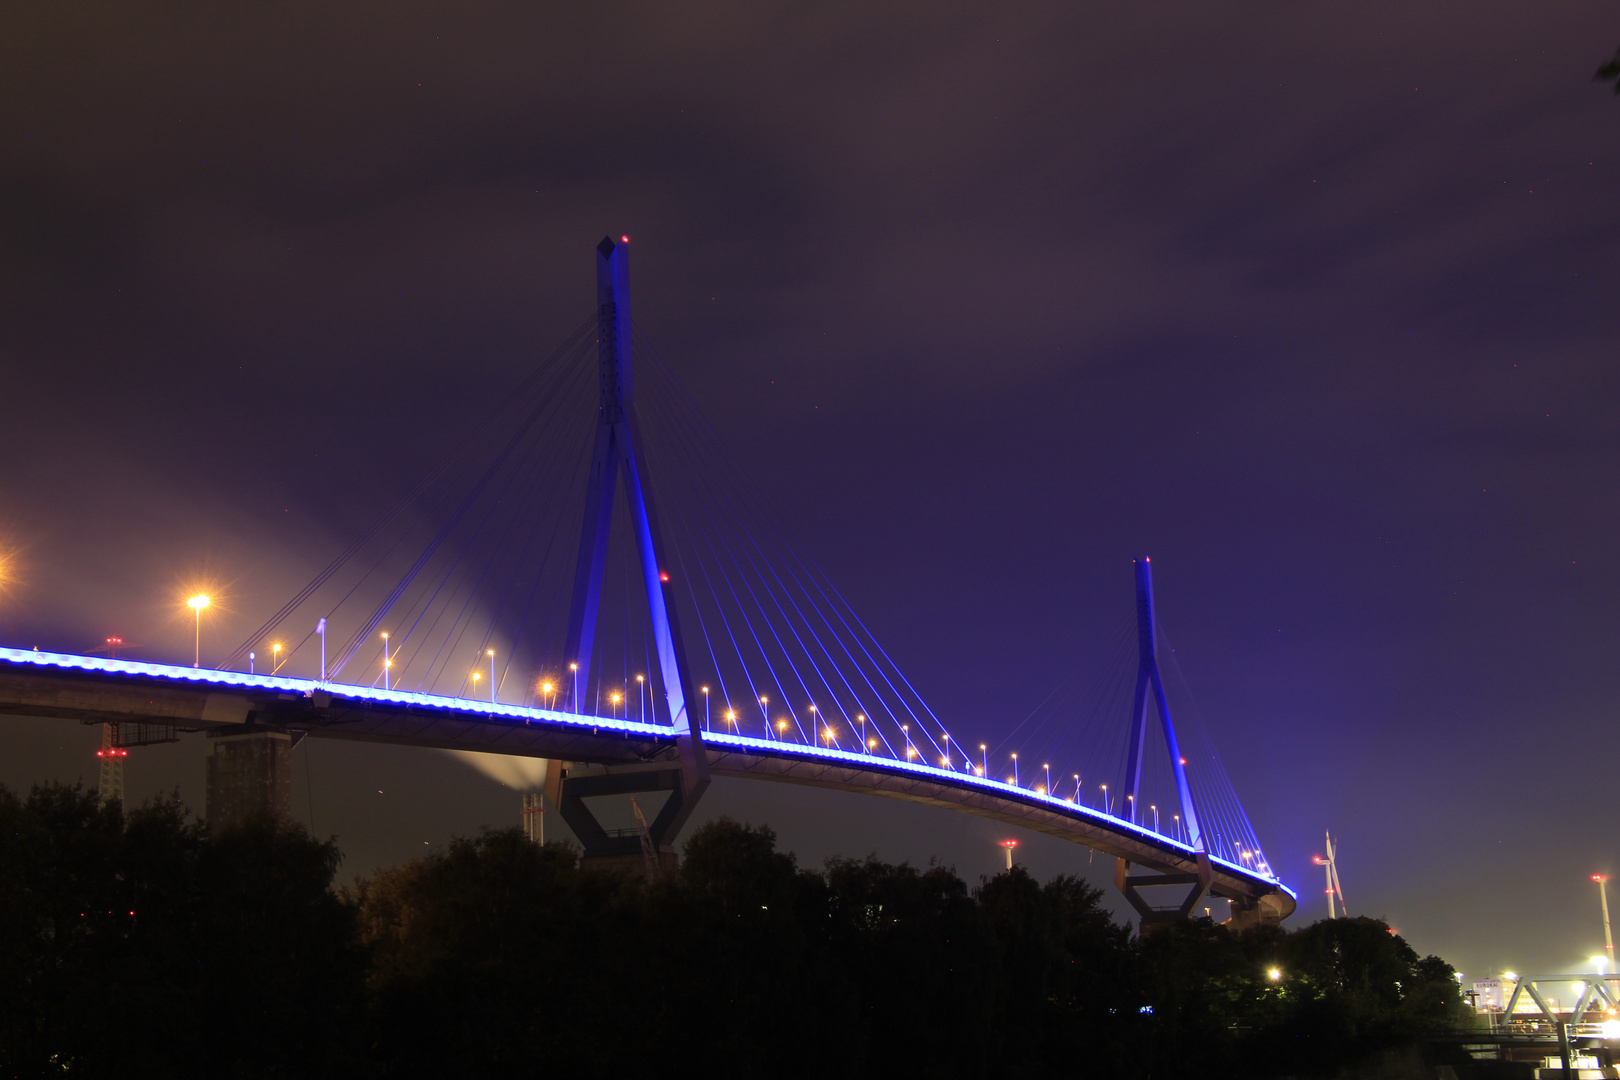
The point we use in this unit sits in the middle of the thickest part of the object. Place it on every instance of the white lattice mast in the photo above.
(534, 817)
(111, 787)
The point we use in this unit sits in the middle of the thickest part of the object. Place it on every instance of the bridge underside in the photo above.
(224, 711)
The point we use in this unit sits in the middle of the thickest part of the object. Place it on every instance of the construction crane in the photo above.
(1330, 866)
(649, 850)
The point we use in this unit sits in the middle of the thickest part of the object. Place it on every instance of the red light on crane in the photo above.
(624, 239)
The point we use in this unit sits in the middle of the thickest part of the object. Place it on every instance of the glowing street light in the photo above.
(386, 662)
(985, 754)
(1155, 810)
(275, 657)
(705, 690)
(491, 653)
(781, 731)
(573, 684)
(1274, 974)
(1108, 807)
(614, 698)
(1015, 770)
(1048, 769)
(731, 718)
(1076, 788)
(641, 691)
(861, 719)
(475, 676)
(550, 692)
(197, 603)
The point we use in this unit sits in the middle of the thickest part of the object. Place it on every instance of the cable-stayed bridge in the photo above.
(698, 641)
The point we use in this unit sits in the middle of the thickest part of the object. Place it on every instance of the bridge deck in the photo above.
(198, 699)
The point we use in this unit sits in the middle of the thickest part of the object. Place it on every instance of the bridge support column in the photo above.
(1265, 911)
(615, 847)
(1152, 918)
(248, 773)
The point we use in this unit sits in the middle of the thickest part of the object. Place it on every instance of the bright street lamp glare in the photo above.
(196, 604)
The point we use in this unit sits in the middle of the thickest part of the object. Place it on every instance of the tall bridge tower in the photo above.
(619, 454)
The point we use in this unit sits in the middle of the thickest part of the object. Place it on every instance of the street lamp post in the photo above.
(641, 691)
(196, 604)
(573, 684)
(1603, 898)
(491, 653)
(386, 662)
(705, 708)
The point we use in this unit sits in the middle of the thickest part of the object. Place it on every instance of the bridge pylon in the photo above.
(619, 452)
(1149, 683)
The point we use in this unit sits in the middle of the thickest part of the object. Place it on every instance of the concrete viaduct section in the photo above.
(251, 731)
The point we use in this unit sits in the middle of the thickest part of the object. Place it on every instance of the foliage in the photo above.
(136, 944)
(139, 944)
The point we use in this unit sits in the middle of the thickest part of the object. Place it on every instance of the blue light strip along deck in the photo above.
(522, 714)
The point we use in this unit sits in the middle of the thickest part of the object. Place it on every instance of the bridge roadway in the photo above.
(99, 690)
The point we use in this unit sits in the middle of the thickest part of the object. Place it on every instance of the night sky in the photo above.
(1316, 305)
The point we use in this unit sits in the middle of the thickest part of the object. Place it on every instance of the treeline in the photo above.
(136, 944)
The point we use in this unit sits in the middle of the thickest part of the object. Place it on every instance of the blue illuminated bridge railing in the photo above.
(488, 711)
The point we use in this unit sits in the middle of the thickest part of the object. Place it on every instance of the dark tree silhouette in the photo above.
(139, 944)
(1609, 71)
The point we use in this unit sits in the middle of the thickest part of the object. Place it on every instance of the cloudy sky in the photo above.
(1315, 305)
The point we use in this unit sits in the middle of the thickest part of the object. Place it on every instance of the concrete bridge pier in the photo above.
(249, 773)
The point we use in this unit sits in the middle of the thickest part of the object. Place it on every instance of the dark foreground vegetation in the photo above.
(138, 945)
